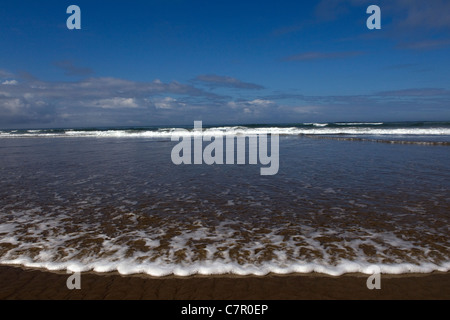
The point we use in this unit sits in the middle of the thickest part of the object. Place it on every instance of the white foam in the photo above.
(318, 129)
(359, 123)
(316, 124)
(282, 262)
(159, 269)
(63, 250)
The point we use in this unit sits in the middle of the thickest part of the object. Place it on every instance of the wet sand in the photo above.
(20, 283)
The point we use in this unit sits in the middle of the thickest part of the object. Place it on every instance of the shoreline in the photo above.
(34, 284)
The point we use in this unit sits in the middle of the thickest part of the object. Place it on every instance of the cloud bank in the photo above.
(30, 102)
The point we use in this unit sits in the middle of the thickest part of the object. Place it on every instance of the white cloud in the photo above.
(13, 105)
(261, 103)
(10, 82)
(116, 103)
(92, 100)
(167, 103)
(112, 101)
(256, 107)
(257, 103)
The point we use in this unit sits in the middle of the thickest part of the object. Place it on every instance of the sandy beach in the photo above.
(20, 283)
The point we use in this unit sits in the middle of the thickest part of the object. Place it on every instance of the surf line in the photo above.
(213, 153)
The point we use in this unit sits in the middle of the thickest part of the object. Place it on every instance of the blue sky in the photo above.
(224, 62)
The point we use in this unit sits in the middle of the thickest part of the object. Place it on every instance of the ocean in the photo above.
(347, 196)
